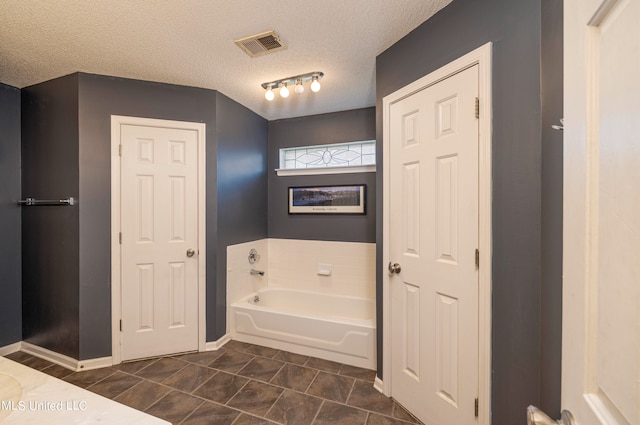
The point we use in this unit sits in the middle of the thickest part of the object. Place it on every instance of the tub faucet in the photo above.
(256, 272)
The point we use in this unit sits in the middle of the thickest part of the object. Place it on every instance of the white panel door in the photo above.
(433, 238)
(601, 264)
(159, 260)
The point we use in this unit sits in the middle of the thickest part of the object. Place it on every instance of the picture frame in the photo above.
(336, 199)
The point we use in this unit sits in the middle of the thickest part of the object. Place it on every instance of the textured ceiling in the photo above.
(191, 42)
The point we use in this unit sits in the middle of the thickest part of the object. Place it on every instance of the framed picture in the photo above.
(327, 199)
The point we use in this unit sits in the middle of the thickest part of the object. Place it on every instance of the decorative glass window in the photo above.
(352, 157)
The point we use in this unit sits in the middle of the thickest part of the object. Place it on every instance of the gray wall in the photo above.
(50, 233)
(66, 152)
(10, 217)
(232, 132)
(337, 127)
(514, 27)
(241, 138)
(99, 98)
(551, 283)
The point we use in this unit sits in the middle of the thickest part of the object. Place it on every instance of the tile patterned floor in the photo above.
(239, 384)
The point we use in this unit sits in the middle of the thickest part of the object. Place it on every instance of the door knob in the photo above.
(394, 268)
(191, 252)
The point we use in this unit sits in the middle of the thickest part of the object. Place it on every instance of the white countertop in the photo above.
(31, 397)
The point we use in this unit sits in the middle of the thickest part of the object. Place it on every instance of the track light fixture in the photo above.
(315, 85)
(295, 81)
(284, 91)
(269, 94)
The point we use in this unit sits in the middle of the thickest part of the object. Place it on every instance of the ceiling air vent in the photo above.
(261, 44)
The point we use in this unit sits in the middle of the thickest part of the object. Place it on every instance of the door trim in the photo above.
(481, 57)
(117, 121)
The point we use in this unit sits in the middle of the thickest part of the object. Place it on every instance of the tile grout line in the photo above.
(260, 380)
(191, 413)
(130, 388)
(143, 367)
(186, 365)
(170, 388)
(312, 381)
(91, 385)
(318, 371)
(236, 393)
(155, 402)
(200, 386)
(217, 371)
(241, 412)
(324, 400)
(274, 403)
(309, 358)
(353, 385)
(366, 419)
(276, 374)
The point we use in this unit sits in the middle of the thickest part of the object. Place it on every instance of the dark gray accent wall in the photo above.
(99, 98)
(241, 138)
(337, 127)
(66, 152)
(552, 152)
(10, 217)
(50, 237)
(236, 152)
(514, 28)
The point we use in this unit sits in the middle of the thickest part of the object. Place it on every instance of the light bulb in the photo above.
(284, 91)
(315, 85)
(269, 94)
(299, 87)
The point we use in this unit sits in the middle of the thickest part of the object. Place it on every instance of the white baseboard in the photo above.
(97, 363)
(65, 361)
(378, 385)
(214, 345)
(52, 356)
(11, 348)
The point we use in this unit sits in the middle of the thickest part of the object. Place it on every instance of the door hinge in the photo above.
(119, 150)
(477, 107)
(121, 331)
(120, 238)
(476, 407)
(477, 258)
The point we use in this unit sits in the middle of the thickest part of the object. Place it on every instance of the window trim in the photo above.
(325, 170)
(367, 168)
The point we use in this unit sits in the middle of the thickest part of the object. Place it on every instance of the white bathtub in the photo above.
(332, 327)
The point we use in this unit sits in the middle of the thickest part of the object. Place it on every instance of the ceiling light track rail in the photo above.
(296, 81)
(290, 81)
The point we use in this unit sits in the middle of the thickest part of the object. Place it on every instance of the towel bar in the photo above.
(31, 202)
